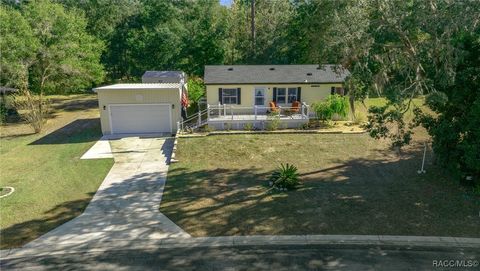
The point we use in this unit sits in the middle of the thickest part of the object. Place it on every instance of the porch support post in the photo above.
(219, 109)
(231, 111)
(224, 110)
(255, 112)
(178, 127)
(199, 118)
(208, 112)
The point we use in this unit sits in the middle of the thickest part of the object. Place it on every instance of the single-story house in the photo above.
(143, 108)
(241, 95)
(250, 85)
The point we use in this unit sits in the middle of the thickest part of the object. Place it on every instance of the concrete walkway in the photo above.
(126, 204)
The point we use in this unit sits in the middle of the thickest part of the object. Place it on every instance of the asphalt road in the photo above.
(254, 258)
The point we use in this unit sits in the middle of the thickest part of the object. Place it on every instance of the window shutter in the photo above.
(239, 96)
(275, 94)
(299, 94)
(220, 95)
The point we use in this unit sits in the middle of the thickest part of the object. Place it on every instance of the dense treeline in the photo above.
(396, 49)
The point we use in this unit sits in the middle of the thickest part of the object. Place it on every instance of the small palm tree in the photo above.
(285, 177)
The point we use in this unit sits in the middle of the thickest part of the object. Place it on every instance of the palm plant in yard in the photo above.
(285, 177)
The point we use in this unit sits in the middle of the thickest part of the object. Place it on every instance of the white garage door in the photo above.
(140, 118)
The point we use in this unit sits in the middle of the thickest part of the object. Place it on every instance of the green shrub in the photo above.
(248, 126)
(304, 126)
(208, 128)
(334, 105)
(3, 113)
(476, 189)
(227, 126)
(273, 122)
(285, 177)
(323, 110)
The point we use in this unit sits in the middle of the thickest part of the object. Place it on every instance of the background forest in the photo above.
(394, 49)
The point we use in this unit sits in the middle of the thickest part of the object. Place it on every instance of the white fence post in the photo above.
(231, 111)
(224, 110)
(255, 112)
(219, 109)
(199, 118)
(208, 112)
(178, 127)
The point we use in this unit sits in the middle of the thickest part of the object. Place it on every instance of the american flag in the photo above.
(185, 103)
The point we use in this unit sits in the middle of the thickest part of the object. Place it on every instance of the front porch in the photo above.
(231, 117)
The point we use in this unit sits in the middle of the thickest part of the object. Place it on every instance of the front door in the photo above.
(259, 99)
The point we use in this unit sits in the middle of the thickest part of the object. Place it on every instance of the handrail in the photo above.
(198, 119)
(195, 115)
(258, 107)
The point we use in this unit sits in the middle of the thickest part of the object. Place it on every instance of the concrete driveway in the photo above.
(126, 204)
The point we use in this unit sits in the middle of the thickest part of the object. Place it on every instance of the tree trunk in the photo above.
(352, 105)
(253, 28)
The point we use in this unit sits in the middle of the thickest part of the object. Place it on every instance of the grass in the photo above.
(52, 185)
(360, 108)
(351, 185)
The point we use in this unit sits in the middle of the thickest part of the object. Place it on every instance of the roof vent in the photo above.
(272, 69)
(230, 69)
(309, 74)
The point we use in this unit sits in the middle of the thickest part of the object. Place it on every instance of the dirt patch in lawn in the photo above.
(352, 184)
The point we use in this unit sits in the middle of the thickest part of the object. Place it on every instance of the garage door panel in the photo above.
(140, 118)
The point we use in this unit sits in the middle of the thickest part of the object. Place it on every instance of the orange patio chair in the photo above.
(273, 107)
(295, 107)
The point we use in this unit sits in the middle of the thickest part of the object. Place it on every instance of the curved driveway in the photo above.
(126, 204)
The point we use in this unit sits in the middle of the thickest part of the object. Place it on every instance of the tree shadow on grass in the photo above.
(358, 196)
(76, 105)
(21, 233)
(77, 131)
(126, 207)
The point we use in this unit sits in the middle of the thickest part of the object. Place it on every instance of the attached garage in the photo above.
(139, 108)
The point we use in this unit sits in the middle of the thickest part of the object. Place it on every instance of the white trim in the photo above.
(285, 96)
(141, 86)
(110, 113)
(255, 94)
(230, 96)
(286, 103)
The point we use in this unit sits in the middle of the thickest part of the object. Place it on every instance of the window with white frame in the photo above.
(292, 95)
(229, 96)
(281, 95)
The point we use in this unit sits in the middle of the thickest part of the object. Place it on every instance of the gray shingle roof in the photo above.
(264, 74)
(157, 74)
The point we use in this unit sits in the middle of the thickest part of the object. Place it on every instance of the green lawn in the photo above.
(351, 185)
(419, 102)
(52, 185)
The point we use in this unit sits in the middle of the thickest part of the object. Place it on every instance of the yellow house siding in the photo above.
(309, 93)
(149, 96)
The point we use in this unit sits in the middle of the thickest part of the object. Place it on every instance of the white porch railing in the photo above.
(233, 112)
(230, 111)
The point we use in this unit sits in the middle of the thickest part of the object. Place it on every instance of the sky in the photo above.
(226, 2)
